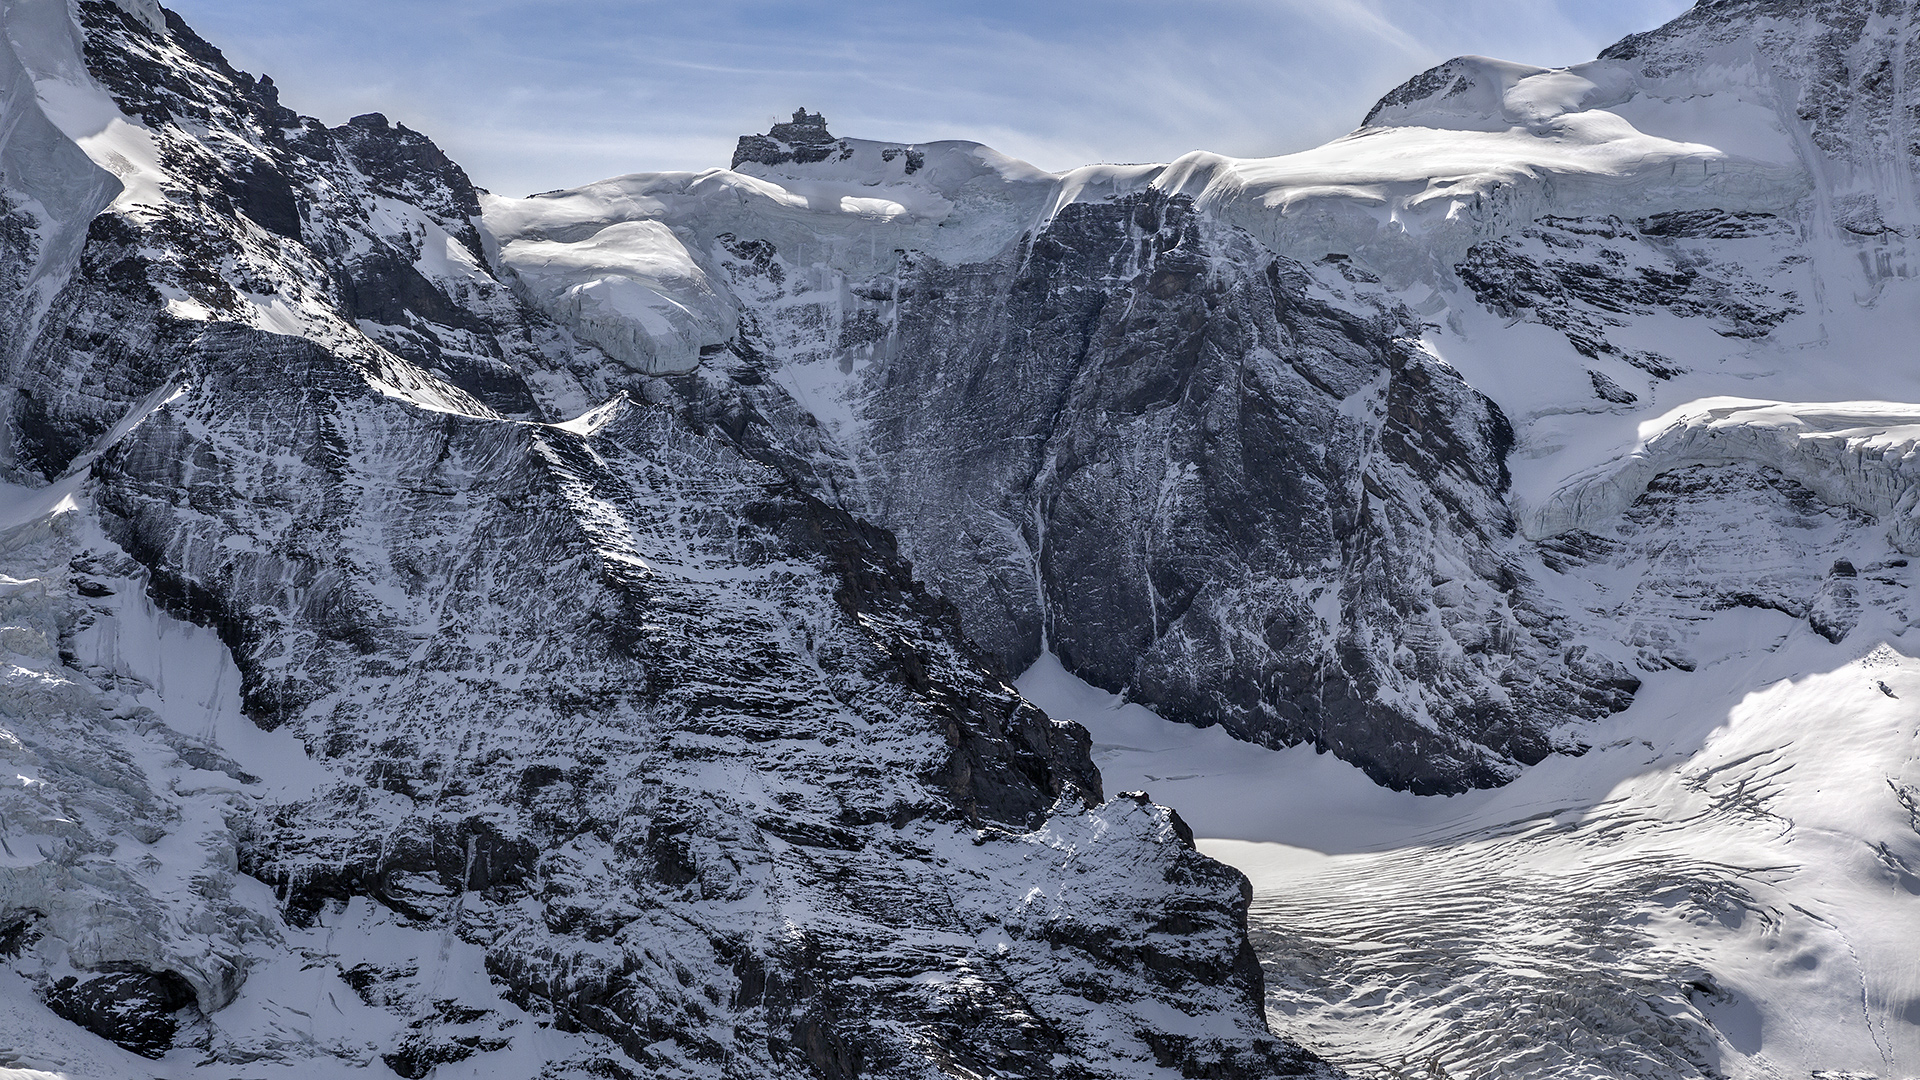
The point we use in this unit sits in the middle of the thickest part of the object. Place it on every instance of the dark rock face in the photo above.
(262, 193)
(135, 1009)
(686, 756)
(1147, 444)
(805, 140)
(1586, 276)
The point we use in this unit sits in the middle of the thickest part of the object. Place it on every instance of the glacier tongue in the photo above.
(1724, 886)
(1740, 901)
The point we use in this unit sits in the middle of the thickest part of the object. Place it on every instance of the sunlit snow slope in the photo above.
(1728, 885)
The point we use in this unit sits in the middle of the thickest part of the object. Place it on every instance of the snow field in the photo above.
(1726, 882)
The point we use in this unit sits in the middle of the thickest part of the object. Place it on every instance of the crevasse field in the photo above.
(1746, 819)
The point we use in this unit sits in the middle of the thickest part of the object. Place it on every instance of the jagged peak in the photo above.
(804, 140)
(148, 12)
(804, 149)
(805, 129)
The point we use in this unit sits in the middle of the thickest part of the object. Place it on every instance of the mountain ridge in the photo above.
(581, 750)
(576, 635)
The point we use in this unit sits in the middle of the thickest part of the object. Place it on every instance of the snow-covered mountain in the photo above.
(389, 692)
(1276, 444)
(574, 636)
(1550, 410)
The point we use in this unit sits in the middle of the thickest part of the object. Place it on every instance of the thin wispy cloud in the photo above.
(1358, 16)
(534, 95)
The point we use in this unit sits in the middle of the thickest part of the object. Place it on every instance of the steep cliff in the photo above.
(393, 693)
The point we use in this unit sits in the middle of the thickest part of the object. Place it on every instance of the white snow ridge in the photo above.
(1461, 579)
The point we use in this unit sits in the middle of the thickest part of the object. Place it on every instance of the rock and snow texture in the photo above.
(1283, 444)
(397, 682)
(1725, 886)
(1551, 410)
(445, 634)
(1106, 420)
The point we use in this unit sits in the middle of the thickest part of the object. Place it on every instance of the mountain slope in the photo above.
(1600, 377)
(1274, 444)
(458, 635)
(1206, 473)
(381, 708)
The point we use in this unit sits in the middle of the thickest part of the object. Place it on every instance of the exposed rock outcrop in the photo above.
(579, 742)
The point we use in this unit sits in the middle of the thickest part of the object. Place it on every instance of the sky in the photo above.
(533, 95)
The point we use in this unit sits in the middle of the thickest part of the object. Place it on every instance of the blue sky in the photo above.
(537, 94)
